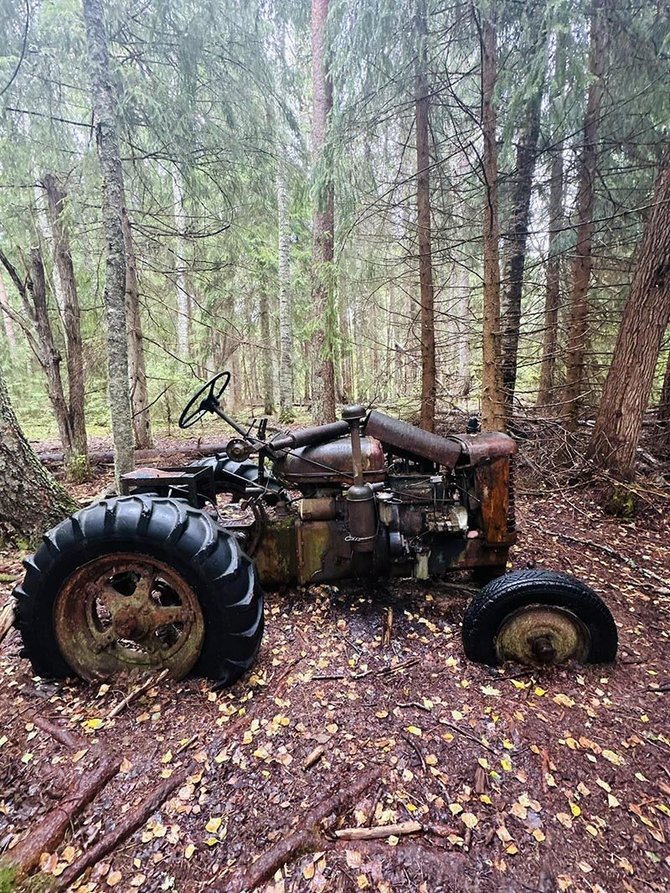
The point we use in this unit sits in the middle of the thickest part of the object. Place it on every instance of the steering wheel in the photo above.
(205, 400)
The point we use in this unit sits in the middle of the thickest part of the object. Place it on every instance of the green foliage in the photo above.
(7, 879)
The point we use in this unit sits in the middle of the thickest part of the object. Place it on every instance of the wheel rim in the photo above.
(126, 611)
(542, 634)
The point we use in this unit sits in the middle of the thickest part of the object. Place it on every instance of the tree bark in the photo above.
(267, 351)
(646, 316)
(104, 106)
(664, 402)
(427, 293)
(323, 223)
(286, 414)
(552, 302)
(71, 314)
(139, 394)
(50, 357)
(492, 399)
(7, 320)
(30, 499)
(522, 191)
(183, 297)
(583, 261)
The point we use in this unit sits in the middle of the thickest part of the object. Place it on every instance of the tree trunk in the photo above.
(646, 316)
(583, 262)
(71, 314)
(323, 223)
(139, 395)
(522, 191)
(50, 357)
(285, 316)
(104, 105)
(30, 499)
(492, 399)
(7, 320)
(427, 299)
(183, 297)
(664, 402)
(552, 302)
(267, 351)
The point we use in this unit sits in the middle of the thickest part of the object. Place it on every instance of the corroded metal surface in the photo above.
(407, 440)
(127, 611)
(331, 463)
(539, 634)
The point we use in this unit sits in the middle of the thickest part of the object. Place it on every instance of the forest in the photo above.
(456, 214)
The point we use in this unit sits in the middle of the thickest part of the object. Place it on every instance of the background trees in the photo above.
(241, 127)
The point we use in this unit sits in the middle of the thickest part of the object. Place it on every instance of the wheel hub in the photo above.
(126, 611)
(542, 634)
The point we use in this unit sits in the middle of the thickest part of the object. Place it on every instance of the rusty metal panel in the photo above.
(323, 552)
(479, 448)
(276, 557)
(492, 489)
(331, 463)
(413, 442)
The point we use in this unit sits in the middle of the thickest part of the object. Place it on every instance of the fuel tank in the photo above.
(331, 463)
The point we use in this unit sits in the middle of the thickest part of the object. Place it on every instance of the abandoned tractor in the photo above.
(161, 577)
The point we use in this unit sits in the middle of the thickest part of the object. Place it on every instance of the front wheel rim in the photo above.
(128, 612)
(543, 635)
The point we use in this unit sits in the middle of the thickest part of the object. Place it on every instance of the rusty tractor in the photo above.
(160, 577)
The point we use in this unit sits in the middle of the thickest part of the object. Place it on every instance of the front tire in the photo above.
(140, 581)
(538, 617)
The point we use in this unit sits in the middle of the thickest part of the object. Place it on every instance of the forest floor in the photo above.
(520, 780)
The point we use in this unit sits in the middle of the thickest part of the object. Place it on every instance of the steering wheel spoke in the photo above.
(205, 400)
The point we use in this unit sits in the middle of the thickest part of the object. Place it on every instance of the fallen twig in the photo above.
(307, 838)
(136, 693)
(388, 627)
(379, 831)
(464, 734)
(63, 736)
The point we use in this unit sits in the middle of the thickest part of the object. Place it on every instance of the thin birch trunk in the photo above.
(266, 353)
(104, 106)
(183, 297)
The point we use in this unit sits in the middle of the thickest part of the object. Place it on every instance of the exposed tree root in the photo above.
(306, 839)
(6, 618)
(124, 829)
(46, 836)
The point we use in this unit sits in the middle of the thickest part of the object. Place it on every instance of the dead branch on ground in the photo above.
(307, 839)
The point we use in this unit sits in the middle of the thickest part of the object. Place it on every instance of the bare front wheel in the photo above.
(128, 611)
(540, 618)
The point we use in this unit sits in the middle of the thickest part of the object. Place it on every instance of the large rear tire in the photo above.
(538, 617)
(140, 582)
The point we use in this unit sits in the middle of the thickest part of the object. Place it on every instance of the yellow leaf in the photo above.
(490, 691)
(113, 878)
(95, 724)
(167, 757)
(585, 867)
(613, 757)
(519, 811)
(563, 700)
(503, 834)
(414, 730)
(574, 809)
(469, 820)
(362, 882)
(612, 801)
(483, 762)
(189, 850)
(564, 819)
(538, 835)
(332, 727)
(506, 763)
(247, 738)
(539, 691)
(593, 831)
(603, 784)
(507, 744)
(213, 825)
(518, 684)
(486, 799)
(308, 871)
(512, 849)
(212, 841)
(455, 808)
(431, 760)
